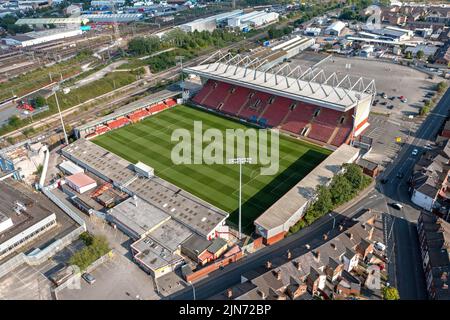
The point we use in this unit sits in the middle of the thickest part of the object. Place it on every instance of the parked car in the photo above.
(414, 152)
(403, 99)
(397, 206)
(379, 246)
(89, 278)
(384, 181)
(390, 107)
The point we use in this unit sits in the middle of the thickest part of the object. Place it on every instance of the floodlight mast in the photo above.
(240, 161)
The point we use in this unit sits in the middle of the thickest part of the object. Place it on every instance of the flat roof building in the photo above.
(136, 217)
(194, 213)
(22, 219)
(154, 258)
(68, 167)
(335, 28)
(81, 182)
(38, 37)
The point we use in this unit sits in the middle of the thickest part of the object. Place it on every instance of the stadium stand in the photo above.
(255, 106)
(170, 102)
(157, 107)
(298, 117)
(277, 111)
(204, 92)
(218, 95)
(118, 123)
(238, 96)
(318, 123)
(138, 115)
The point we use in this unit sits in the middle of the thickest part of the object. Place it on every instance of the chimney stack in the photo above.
(325, 236)
(341, 227)
(350, 235)
(277, 274)
(262, 294)
(268, 264)
(317, 255)
(289, 254)
(298, 265)
(230, 293)
(333, 246)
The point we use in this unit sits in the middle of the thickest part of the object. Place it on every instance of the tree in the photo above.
(324, 203)
(14, 121)
(354, 174)
(408, 55)
(341, 190)
(420, 54)
(441, 86)
(390, 293)
(39, 102)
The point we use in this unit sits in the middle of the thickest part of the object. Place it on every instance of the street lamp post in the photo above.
(193, 289)
(334, 219)
(180, 58)
(55, 89)
(240, 161)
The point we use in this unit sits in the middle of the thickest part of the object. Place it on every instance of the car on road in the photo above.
(397, 206)
(414, 152)
(400, 175)
(89, 278)
(428, 146)
(379, 246)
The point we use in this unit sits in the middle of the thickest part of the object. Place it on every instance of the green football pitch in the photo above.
(149, 141)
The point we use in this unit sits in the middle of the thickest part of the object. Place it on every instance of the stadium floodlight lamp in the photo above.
(240, 162)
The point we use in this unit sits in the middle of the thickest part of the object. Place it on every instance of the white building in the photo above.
(254, 19)
(209, 23)
(335, 28)
(68, 167)
(39, 37)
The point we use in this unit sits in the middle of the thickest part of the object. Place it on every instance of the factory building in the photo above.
(253, 19)
(38, 37)
(209, 23)
(335, 29)
(60, 22)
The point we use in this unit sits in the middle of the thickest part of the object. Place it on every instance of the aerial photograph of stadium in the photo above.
(224, 150)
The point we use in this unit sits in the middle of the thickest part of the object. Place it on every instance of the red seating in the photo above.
(236, 100)
(170, 102)
(320, 132)
(341, 136)
(203, 92)
(329, 116)
(256, 108)
(299, 117)
(157, 107)
(218, 95)
(251, 109)
(118, 123)
(101, 129)
(138, 115)
(276, 112)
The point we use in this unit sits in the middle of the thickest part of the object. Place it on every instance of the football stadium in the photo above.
(149, 141)
(318, 114)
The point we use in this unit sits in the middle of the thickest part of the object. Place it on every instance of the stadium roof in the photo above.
(300, 83)
(282, 211)
(33, 21)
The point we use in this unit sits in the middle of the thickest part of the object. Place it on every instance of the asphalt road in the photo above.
(406, 260)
